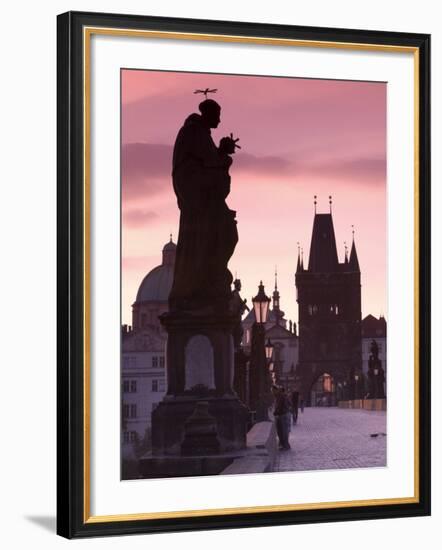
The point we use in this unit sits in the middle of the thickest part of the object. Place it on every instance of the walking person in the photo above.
(281, 412)
(302, 405)
(295, 402)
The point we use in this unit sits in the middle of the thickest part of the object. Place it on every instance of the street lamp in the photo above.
(261, 305)
(260, 355)
(269, 350)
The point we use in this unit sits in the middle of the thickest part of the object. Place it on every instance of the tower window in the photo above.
(313, 309)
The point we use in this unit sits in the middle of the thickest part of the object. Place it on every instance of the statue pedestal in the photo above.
(200, 367)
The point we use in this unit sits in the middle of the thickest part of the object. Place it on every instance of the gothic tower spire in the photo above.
(354, 262)
(298, 265)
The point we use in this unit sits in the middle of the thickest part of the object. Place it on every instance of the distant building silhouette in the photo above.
(143, 372)
(153, 293)
(329, 301)
(374, 329)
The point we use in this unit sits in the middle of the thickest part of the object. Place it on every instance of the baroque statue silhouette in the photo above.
(207, 232)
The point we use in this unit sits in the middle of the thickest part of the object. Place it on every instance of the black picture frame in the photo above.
(72, 516)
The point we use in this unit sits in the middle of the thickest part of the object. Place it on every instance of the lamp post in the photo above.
(357, 394)
(269, 357)
(269, 351)
(260, 354)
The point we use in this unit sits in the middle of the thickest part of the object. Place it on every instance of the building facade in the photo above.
(143, 369)
(329, 302)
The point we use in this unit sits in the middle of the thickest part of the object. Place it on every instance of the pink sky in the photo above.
(299, 137)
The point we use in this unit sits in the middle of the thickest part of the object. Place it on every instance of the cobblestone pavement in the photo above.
(327, 438)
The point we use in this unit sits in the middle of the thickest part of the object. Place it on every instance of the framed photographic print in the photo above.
(243, 211)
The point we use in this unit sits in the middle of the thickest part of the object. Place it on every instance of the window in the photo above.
(130, 437)
(129, 361)
(154, 362)
(129, 411)
(159, 385)
(162, 362)
(312, 309)
(129, 386)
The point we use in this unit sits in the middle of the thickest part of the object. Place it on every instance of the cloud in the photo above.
(363, 169)
(146, 169)
(267, 164)
(138, 217)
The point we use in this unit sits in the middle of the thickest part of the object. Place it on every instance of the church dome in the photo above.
(156, 285)
(170, 246)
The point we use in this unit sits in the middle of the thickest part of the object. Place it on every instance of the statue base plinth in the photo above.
(169, 435)
(200, 367)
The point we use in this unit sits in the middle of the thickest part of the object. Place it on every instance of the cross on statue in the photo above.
(206, 91)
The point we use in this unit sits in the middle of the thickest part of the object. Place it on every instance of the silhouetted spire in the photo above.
(302, 259)
(323, 253)
(276, 303)
(354, 262)
(298, 265)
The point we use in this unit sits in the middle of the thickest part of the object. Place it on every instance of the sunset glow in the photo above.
(299, 138)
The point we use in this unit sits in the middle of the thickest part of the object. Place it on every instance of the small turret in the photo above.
(353, 262)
